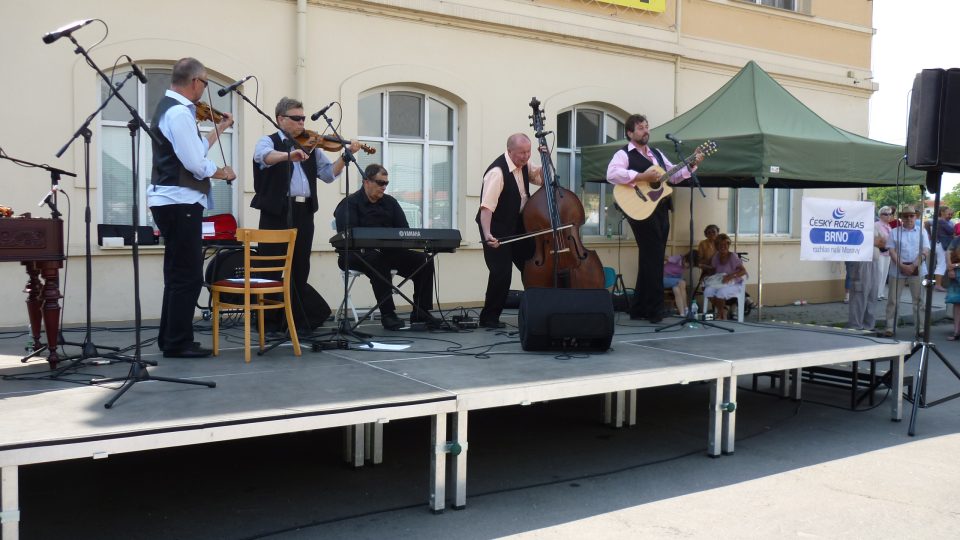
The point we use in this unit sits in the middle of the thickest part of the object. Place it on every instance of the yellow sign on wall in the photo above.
(647, 5)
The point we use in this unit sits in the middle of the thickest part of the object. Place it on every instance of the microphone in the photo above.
(670, 137)
(320, 113)
(224, 91)
(542, 134)
(137, 71)
(65, 30)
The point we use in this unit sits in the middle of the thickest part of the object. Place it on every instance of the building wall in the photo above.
(487, 57)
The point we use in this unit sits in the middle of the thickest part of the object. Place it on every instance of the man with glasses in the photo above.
(285, 182)
(909, 248)
(370, 206)
(177, 196)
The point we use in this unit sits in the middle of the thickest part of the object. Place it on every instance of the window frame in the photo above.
(143, 143)
(734, 220)
(426, 143)
(574, 151)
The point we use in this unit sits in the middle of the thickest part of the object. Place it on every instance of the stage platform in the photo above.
(439, 375)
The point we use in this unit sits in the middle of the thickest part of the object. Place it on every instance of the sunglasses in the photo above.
(295, 118)
(381, 183)
(205, 82)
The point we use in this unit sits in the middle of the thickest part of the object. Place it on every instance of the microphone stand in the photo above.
(138, 366)
(33, 288)
(340, 338)
(289, 142)
(689, 320)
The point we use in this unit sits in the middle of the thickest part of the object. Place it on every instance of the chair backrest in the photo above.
(609, 277)
(279, 262)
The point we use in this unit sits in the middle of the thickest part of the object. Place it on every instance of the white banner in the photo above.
(836, 230)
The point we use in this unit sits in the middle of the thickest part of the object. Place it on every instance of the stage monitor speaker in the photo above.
(933, 129)
(566, 319)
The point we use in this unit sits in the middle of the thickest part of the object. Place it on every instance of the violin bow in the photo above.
(223, 155)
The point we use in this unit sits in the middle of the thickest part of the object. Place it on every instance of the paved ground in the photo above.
(810, 469)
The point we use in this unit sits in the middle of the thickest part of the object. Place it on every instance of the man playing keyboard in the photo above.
(370, 206)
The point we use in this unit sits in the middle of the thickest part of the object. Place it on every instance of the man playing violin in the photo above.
(370, 206)
(506, 188)
(285, 181)
(177, 196)
(633, 164)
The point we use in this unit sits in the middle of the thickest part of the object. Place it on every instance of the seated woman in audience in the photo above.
(673, 279)
(706, 249)
(727, 281)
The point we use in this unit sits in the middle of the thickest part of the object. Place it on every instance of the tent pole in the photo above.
(760, 257)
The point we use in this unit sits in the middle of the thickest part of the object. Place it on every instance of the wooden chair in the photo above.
(253, 290)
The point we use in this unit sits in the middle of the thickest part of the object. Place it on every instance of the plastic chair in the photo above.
(741, 300)
(253, 290)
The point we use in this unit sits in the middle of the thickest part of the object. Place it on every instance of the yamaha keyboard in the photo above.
(386, 237)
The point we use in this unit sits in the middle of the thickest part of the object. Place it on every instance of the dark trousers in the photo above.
(651, 236)
(405, 262)
(180, 226)
(500, 262)
(307, 315)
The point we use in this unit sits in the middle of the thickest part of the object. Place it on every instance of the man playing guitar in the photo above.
(634, 164)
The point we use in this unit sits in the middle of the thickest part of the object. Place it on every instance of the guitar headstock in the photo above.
(707, 148)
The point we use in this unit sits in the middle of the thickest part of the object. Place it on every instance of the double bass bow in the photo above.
(559, 258)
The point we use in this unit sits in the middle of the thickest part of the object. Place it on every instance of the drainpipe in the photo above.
(301, 31)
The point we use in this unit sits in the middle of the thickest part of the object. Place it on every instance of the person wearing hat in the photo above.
(909, 248)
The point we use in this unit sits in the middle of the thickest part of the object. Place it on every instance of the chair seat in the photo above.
(226, 283)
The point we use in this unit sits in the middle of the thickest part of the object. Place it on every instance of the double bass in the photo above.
(556, 213)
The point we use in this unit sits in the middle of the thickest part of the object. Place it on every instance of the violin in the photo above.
(206, 113)
(310, 140)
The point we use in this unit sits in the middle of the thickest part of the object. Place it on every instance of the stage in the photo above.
(442, 376)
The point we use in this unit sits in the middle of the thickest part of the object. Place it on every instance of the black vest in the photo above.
(506, 219)
(167, 169)
(272, 185)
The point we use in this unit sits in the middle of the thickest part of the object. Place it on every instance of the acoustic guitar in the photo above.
(639, 201)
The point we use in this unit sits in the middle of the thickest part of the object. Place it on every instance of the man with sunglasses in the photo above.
(178, 193)
(285, 182)
(370, 206)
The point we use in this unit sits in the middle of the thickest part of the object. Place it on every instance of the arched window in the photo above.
(584, 126)
(116, 190)
(415, 137)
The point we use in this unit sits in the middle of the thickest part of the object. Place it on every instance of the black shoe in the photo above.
(390, 321)
(429, 321)
(192, 351)
(492, 324)
(656, 319)
(636, 317)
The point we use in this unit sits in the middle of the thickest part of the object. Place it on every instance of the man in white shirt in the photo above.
(909, 248)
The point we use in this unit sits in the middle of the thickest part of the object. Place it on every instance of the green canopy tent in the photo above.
(767, 138)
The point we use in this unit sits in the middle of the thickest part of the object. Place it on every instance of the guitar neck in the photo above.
(673, 170)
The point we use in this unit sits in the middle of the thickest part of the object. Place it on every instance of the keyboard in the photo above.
(447, 240)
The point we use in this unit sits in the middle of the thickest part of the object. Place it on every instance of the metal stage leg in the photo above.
(438, 462)
(353, 452)
(373, 441)
(795, 383)
(459, 462)
(784, 383)
(729, 414)
(608, 409)
(631, 407)
(716, 419)
(896, 407)
(10, 507)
